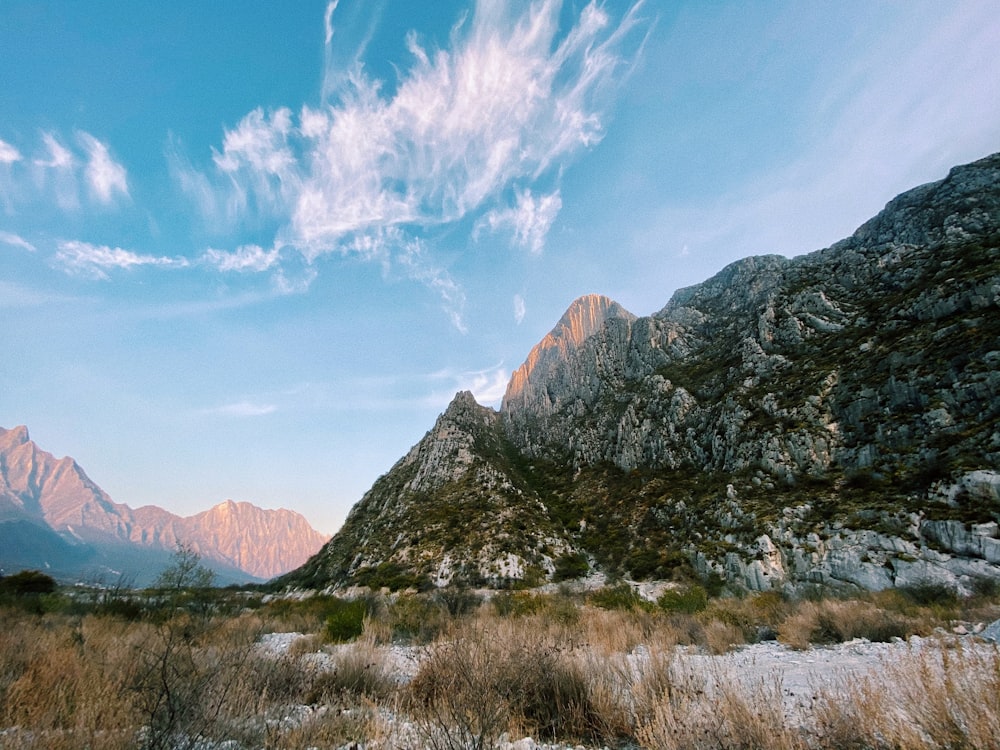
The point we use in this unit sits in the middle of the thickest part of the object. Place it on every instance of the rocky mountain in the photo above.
(53, 515)
(826, 419)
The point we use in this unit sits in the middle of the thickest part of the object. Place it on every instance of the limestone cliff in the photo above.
(830, 418)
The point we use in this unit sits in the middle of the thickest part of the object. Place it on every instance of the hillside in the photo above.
(826, 419)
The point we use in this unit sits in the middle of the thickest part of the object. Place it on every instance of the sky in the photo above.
(250, 250)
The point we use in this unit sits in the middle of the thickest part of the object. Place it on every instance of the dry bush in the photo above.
(358, 673)
(677, 709)
(926, 700)
(63, 684)
(720, 637)
(485, 679)
(834, 621)
(416, 619)
(951, 696)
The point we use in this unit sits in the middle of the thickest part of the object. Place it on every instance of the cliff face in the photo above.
(849, 358)
(831, 418)
(56, 495)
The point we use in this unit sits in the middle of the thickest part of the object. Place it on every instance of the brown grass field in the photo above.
(459, 670)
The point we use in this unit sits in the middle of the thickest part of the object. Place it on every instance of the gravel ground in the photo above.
(800, 674)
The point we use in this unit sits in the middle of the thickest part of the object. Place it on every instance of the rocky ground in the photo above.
(767, 668)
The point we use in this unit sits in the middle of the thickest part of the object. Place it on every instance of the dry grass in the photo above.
(545, 666)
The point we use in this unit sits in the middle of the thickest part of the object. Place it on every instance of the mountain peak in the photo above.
(583, 318)
(14, 436)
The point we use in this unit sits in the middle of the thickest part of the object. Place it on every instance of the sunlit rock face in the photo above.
(831, 419)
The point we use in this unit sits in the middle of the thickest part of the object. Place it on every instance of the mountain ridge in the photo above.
(826, 419)
(241, 540)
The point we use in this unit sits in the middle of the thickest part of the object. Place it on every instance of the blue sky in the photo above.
(251, 250)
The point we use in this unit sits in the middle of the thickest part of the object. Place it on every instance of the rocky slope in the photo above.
(828, 419)
(453, 508)
(52, 513)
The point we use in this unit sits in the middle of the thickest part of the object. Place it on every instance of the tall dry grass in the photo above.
(555, 668)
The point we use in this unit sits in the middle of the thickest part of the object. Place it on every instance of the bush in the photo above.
(414, 617)
(27, 583)
(571, 566)
(621, 597)
(686, 600)
(346, 619)
(482, 683)
(457, 600)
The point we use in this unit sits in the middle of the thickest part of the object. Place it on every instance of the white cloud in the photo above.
(59, 156)
(511, 100)
(252, 258)
(487, 385)
(104, 175)
(530, 218)
(8, 154)
(413, 259)
(242, 409)
(892, 119)
(9, 238)
(95, 260)
(328, 21)
(287, 283)
(56, 173)
(519, 308)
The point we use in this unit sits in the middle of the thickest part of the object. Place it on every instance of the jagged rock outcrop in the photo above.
(456, 507)
(55, 497)
(830, 418)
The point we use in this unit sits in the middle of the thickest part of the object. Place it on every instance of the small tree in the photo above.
(185, 572)
(180, 682)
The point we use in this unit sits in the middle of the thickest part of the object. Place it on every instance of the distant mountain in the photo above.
(52, 515)
(831, 419)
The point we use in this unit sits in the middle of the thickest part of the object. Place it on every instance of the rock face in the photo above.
(456, 507)
(829, 419)
(52, 503)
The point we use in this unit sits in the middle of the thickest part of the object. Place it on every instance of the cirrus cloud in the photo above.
(373, 172)
(95, 261)
(252, 258)
(8, 154)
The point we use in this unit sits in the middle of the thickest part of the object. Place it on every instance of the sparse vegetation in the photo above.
(605, 669)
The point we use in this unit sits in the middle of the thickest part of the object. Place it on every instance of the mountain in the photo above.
(52, 515)
(828, 419)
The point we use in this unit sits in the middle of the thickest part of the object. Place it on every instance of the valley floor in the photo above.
(810, 693)
(456, 669)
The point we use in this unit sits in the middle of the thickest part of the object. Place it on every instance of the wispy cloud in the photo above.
(520, 308)
(59, 157)
(96, 260)
(249, 258)
(13, 296)
(8, 154)
(509, 103)
(9, 238)
(242, 409)
(61, 173)
(892, 119)
(529, 218)
(104, 175)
